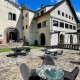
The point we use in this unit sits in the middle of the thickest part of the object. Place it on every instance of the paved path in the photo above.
(10, 67)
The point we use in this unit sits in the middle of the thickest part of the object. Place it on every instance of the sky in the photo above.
(36, 4)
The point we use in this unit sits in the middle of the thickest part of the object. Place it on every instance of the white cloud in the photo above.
(37, 8)
(78, 14)
(58, 1)
(55, 0)
(15, 1)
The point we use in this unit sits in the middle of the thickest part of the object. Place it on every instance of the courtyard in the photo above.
(10, 67)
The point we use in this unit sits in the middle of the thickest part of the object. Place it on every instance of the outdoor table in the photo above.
(20, 49)
(50, 72)
(53, 51)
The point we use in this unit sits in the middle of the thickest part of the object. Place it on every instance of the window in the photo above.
(26, 15)
(37, 14)
(44, 24)
(42, 12)
(23, 27)
(74, 27)
(14, 17)
(70, 26)
(0, 35)
(62, 24)
(58, 12)
(72, 18)
(62, 14)
(10, 16)
(66, 25)
(66, 16)
(39, 25)
(26, 26)
(69, 17)
(55, 23)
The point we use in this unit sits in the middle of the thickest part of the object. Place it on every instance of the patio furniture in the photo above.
(24, 71)
(75, 61)
(34, 74)
(48, 60)
(71, 75)
(22, 51)
(28, 74)
(57, 51)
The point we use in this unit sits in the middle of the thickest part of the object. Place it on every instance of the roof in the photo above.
(58, 4)
(24, 7)
(14, 4)
(44, 7)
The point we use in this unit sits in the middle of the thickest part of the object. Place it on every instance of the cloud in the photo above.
(58, 1)
(78, 14)
(15, 1)
(55, 0)
(37, 8)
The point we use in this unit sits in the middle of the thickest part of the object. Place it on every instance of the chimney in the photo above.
(42, 5)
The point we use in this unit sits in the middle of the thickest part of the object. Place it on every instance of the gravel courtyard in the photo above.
(10, 67)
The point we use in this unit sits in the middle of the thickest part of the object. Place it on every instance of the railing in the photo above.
(65, 46)
(69, 46)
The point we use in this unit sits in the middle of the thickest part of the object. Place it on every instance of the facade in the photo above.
(10, 22)
(78, 31)
(50, 25)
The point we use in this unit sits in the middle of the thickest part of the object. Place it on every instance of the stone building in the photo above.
(50, 25)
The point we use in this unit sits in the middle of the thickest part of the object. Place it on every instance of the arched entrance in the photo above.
(71, 39)
(61, 38)
(42, 39)
(12, 34)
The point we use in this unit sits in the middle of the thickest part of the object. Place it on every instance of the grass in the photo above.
(5, 50)
(8, 49)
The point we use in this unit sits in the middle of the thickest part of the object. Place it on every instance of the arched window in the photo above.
(10, 16)
(14, 17)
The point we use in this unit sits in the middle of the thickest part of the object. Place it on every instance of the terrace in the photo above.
(10, 67)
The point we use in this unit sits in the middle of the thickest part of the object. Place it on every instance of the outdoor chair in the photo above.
(75, 61)
(24, 71)
(60, 52)
(48, 60)
(11, 55)
(71, 75)
(29, 75)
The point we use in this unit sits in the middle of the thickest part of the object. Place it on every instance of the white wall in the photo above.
(48, 8)
(31, 32)
(55, 16)
(64, 7)
(5, 8)
(54, 39)
(44, 30)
